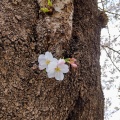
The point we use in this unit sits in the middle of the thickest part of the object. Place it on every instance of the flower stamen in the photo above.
(47, 62)
(57, 69)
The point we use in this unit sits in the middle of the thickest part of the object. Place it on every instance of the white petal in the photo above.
(59, 76)
(64, 68)
(41, 67)
(54, 60)
(50, 70)
(41, 57)
(48, 56)
(47, 69)
(61, 61)
(42, 62)
(51, 75)
(52, 66)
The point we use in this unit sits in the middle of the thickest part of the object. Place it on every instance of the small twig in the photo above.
(116, 38)
(112, 13)
(111, 59)
(102, 5)
(108, 33)
(109, 11)
(110, 48)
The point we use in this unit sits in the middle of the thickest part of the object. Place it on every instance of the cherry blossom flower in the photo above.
(44, 60)
(57, 68)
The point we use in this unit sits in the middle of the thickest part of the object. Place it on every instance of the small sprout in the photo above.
(44, 10)
(49, 3)
(48, 9)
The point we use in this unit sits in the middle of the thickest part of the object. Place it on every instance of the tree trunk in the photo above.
(72, 29)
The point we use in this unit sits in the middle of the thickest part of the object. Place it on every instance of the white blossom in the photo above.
(44, 60)
(57, 68)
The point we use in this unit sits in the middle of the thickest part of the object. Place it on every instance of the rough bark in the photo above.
(27, 93)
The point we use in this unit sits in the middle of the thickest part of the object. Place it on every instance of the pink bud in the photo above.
(72, 62)
(73, 59)
(74, 65)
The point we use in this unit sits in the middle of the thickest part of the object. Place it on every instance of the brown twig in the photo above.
(108, 11)
(110, 48)
(111, 59)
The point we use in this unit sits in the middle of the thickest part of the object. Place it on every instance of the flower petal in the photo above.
(52, 66)
(54, 60)
(64, 68)
(42, 62)
(48, 56)
(61, 61)
(51, 74)
(41, 57)
(59, 76)
(41, 67)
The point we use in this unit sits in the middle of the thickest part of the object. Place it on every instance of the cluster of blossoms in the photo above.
(55, 68)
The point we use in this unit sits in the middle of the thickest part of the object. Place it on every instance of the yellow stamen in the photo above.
(57, 69)
(47, 62)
